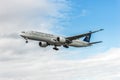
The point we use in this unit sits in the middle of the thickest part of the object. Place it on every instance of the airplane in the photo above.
(46, 39)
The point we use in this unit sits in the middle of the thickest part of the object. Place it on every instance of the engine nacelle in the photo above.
(61, 39)
(43, 44)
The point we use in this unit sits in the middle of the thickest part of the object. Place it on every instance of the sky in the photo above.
(20, 61)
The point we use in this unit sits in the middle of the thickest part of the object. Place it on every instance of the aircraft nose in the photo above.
(22, 33)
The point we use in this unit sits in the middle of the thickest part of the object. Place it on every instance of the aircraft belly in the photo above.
(78, 44)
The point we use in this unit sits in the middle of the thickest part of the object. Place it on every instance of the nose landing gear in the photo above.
(26, 41)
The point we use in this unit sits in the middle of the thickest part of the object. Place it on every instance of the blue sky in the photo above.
(86, 15)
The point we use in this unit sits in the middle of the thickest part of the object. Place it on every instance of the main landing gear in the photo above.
(66, 46)
(55, 48)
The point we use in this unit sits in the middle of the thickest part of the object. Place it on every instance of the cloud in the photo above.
(29, 14)
(100, 67)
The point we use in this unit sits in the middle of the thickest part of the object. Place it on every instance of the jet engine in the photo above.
(61, 39)
(43, 44)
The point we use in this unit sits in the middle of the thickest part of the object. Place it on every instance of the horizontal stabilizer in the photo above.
(95, 42)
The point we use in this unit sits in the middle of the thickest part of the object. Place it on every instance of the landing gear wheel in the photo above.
(26, 41)
(55, 48)
(65, 46)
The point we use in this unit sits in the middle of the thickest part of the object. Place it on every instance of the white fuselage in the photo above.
(51, 39)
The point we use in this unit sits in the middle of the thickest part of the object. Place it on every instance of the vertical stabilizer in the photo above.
(87, 38)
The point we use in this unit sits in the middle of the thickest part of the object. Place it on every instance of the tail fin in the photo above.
(87, 38)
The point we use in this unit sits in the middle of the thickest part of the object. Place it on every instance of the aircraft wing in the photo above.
(82, 35)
